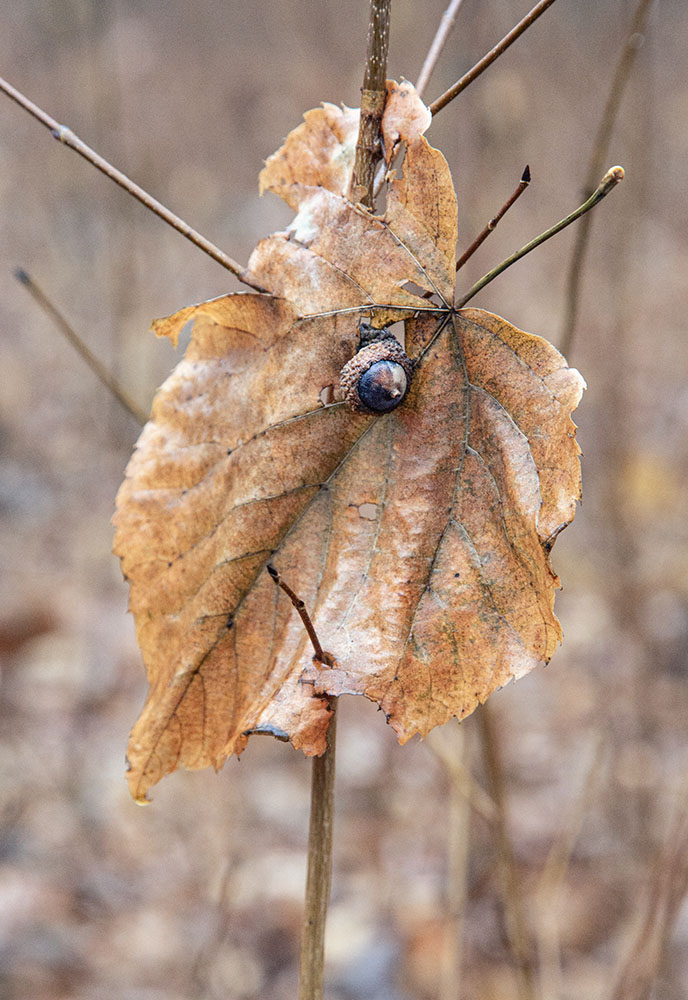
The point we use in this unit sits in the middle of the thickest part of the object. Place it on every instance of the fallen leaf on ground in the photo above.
(419, 540)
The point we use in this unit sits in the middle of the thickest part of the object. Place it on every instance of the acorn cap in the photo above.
(387, 349)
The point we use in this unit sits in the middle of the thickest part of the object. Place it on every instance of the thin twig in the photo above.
(319, 873)
(373, 97)
(514, 914)
(664, 895)
(551, 883)
(461, 777)
(320, 655)
(492, 224)
(613, 176)
(98, 369)
(439, 41)
(68, 138)
(452, 746)
(600, 151)
(493, 54)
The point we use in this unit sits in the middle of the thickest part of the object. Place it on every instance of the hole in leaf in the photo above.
(413, 289)
(397, 161)
(326, 395)
(368, 511)
(399, 331)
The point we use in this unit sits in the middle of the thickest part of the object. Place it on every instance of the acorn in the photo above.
(378, 377)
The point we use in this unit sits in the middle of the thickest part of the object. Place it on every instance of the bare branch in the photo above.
(99, 370)
(68, 138)
(461, 777)
(451, 745)
(613, 176)
(492, 224)
(549, 895)
(445, 26)
(664, 894)
(493, 54)
(600, 152)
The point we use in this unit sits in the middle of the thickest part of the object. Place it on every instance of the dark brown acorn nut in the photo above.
(378, 377)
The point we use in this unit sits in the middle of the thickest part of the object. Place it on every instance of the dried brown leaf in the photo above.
(406, 118)
(318, 153)
(419, 540)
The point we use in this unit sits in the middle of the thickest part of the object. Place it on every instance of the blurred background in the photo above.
(538, 851)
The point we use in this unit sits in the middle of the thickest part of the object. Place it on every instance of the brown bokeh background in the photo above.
(199, 896)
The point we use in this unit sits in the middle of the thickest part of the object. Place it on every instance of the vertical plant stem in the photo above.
(514, 913)
(600, 150)
(319, 875)
(458, 841)
(373, 96)
(319, 871)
